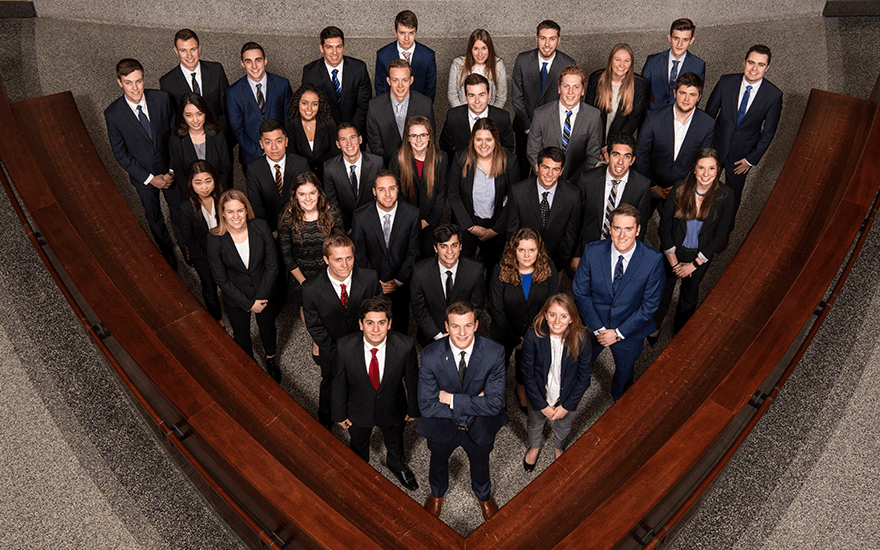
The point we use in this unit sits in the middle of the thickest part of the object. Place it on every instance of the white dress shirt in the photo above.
(380, 356)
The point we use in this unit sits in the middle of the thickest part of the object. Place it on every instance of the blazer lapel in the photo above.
(534, 203)
(633, 267)
(605, 267)
(474, 364)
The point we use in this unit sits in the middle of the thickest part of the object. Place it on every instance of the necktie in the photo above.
(353, 180)
(337, 86)
(545, 209)
(566, 130)
(743, 104)
(400, 118)
(462, 368)
(261, 101)
(406, 55)
(618, 273)
(612, 203)
(145, 122)
(673, 76)
(448, 286)
(374, 369)
(343, 297)
(543, 74)
(278, 182)
(386, 229)
(195, 84)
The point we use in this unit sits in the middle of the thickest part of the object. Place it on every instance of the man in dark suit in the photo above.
(747, 108)
(549, 204)
(460, 120)
(388, 112)
(348, 178)
(670, 138)
(331, 309)
(253, 99)
(461, 397)
(375, 380)
(386, 239)
(662, 69)
(437, 282)
(269, 177)
(534, 83)
(417, 55)
(343, 79)
(617, 304)
(569, 124)
(139, 124)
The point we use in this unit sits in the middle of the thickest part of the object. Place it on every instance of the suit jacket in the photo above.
(750, 138)
(631, 309)
(214, 85)
(656, 75)
(424, 69)
(461, 193)
(456, 133)
(714, 231)
(337, 186)
(324, 145)
(326, 320)
(527, 93)
(430, 208)
(353, 396)
(656, 146)
(383, 137)
(244, 114)
(484, 415)
(592, 187)
(241, 285)
(622, 124)
(561, 232)
(427, 298)
(263, 193)
(356, 90)
(397, 260)
(137, 153)
(584, 145)
(183, 154)
(512, 312)
(194, 231)
(574, 373)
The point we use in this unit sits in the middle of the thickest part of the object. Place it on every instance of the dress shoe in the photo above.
(528, 467)
(652, 340)
(273, 369)
(489, 508)
(406, 478)
(524, 409)
(433, 505)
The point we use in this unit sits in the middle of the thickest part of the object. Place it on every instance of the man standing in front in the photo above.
(461, 398)
(662, 69)
(617, 288)
(416, 54)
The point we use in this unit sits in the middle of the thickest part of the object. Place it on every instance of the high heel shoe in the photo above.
(529, 467)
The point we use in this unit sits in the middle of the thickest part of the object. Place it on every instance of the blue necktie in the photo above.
(353, 180)
(145, 122)
(543, 74)
(618, 273)
(337, 86)
(673, 76)
(743, 104)
(566, 131)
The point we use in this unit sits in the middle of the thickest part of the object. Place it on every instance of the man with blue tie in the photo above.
(139, 124)
(419, 57)
(662, 69)
(746, 108)
(617, 288)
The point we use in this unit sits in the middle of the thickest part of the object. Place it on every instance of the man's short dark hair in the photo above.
(683, 24)
(689, 79)
(185, 34)
(384, 173)
(626, 210)
(621, 139)
(407, 19)
(346, 126)
(127, 66)
(549, 24)
(252, 46)
(332, 32)
(760, 49)
(553, 153)
(461, 307)
(376, 304)
(271, 125)
(445, 231)
(475, 79)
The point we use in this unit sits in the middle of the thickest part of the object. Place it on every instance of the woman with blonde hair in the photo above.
(619, 94)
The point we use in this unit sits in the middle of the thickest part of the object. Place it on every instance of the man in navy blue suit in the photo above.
(662, 69)
(461, 398)
(253, 98)
(419, 56)
(138, 125)
(747, 107)
(617, 288)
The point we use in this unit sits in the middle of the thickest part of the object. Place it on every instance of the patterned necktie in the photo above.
(673, 76)
(261, 101)
(353, 180)
(566, 130)
(399, 117)
(145, 122)
(386, 229)
(343, 297)
(611, 205)
(545, 209)
(278, 179)
(195, 84)
(406, 55)
(374, 369)
(337, 86)
(743, 104)
(448, 286)
(462, 367)
(543, 74)
(618, 273)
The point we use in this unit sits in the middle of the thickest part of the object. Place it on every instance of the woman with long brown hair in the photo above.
(310, 127)
(619, 94)
(199, 137)
(480, 58)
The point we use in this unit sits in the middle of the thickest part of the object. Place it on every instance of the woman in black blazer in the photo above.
(485, 228)
(199, 137)
(244, 262)
(696, 219)
(422, 169)
(518, 288)
(555, 385)
(618, 77)
(310, 128)
(198, 215)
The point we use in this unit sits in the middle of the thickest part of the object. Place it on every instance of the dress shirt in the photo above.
(474, 117)
(338, 69)
(669, 65)
(680, 129)
(443, 270)
(244, 250)
(411, 50)
(281, 164)
(483, 193)
(134, 109)
(549, 63)
(380, 356)
(752, 94)
(262, 83)
(554, 377)
(608, 185)
(209, 216)
(552, 192)
(188, 74)
(402, 108)
(456, 353)
(609, 117)
(337, 285)
(357, 168)
(562, 111)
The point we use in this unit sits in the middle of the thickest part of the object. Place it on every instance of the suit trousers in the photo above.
(561, 428)
(688, 292)
(325, 389)
(360, 444)
(240, 321)
(209, 288)
(625, 353)
(478, 457)
(737, 182)
(149, 196)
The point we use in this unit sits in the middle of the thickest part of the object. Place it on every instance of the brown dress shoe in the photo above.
(489, 508)
(434, 504)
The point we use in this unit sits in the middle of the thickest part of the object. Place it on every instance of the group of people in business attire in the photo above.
(343, 216)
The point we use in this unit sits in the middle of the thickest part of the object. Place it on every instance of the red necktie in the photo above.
(374, 370)
(343, 297)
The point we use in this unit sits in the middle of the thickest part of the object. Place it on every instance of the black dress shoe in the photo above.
(528, 467)
(652, 340)
(273, 369)
(406, 478)
(524, 409)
